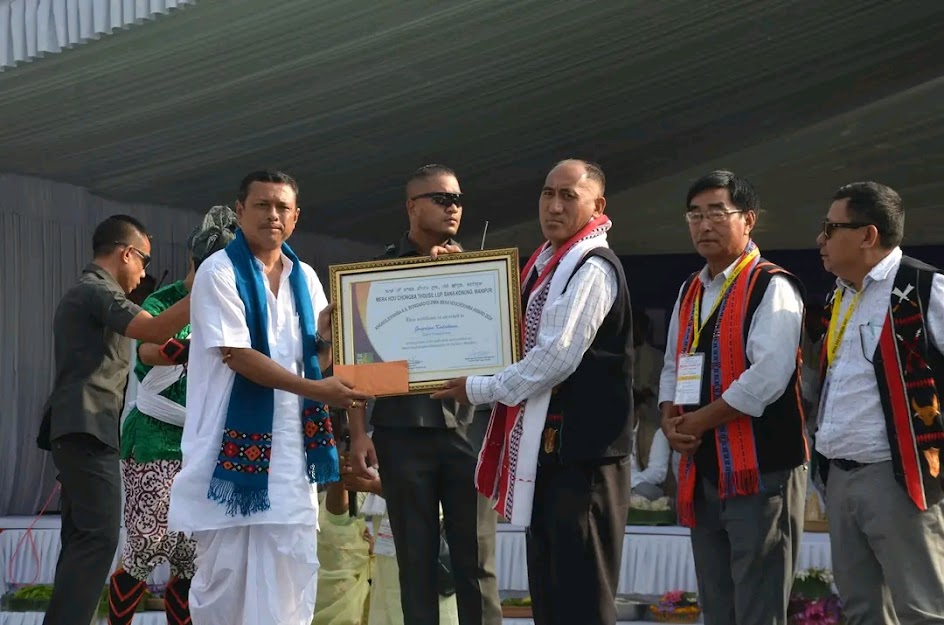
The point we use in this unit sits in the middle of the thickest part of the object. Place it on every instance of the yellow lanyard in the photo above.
(834, 335)
(697, 324)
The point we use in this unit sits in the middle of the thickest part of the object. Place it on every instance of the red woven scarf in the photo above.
(738, 468)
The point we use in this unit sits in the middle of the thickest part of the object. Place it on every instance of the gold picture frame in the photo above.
(450, 317)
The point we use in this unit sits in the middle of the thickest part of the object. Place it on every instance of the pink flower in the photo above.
(673, 597)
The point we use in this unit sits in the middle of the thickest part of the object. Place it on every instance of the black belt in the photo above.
(847, 465)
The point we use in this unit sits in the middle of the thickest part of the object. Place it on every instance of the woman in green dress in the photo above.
(150, 448)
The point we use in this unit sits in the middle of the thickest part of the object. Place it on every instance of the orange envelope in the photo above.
(377, 378)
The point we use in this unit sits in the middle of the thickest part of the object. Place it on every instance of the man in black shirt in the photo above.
(427, 450)
(93, 327)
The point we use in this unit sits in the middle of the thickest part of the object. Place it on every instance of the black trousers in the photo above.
(421, 468)
(575, 541)
(90, 476)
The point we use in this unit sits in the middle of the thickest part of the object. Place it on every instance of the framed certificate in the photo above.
(454, 316)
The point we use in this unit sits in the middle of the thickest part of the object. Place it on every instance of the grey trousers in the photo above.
(888, 556)
(91, 522)
(746, 549)
(649, 491)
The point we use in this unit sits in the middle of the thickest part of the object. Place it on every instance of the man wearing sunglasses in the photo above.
(93, 327)
(879, 431)
(427, 450)
(729, 395)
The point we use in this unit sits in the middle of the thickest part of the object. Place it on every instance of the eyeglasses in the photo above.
(442, 198)
(830, 226)
(145, 258)
(714, 215)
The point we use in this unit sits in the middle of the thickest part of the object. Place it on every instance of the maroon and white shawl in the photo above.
(508, 462)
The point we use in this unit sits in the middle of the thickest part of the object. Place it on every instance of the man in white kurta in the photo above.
(259, 568)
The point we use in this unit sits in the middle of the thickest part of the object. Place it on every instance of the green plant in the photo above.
(813, 584)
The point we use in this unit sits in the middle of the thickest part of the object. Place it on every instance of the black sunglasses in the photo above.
(145, 258)
(442, 198)
(829, 226)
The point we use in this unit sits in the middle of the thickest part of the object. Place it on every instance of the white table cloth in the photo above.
(655, 559)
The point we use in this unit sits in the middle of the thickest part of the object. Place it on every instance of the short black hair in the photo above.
(428, 171)
(115, 231)
(265, 175)
(742, 192)
(594, 171)
(878, 205)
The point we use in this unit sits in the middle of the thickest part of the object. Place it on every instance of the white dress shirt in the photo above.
(772, 343)
(568, 327)
(852, 421)
(218, 319)
(658, 466)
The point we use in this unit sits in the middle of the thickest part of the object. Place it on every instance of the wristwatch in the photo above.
(321, 342)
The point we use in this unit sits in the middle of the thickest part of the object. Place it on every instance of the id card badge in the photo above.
(688, 379)
(383, 542)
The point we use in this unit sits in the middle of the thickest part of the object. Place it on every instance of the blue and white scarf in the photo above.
(241, 478)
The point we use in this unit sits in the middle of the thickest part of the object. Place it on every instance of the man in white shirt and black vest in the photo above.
(730, 402)
(556, 454)
(879, 430)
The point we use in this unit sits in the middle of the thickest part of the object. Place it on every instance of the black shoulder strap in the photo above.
(606, 254)
(763, 274)
(908, 261)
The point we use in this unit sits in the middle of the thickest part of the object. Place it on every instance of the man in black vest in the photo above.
(880, 431)
(557, 450)
(427, 450)
(730, 405)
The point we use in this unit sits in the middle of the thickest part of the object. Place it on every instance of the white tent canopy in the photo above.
(351, 96)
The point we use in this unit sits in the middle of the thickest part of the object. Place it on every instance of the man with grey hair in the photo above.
(150, 447)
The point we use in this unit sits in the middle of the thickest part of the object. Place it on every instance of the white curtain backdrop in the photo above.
(45, 241)
(30, 29)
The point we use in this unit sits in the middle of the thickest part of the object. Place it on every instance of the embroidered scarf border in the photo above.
(240, 479)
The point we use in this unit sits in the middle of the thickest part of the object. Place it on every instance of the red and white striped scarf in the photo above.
(507, 464)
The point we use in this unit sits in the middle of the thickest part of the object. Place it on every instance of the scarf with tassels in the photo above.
(241, 478)
(507, 465)
(738, 468)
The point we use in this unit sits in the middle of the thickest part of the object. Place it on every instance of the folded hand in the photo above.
(680, 441)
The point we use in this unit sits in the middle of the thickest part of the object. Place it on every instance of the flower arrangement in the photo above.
(676, 607)
(812, 600)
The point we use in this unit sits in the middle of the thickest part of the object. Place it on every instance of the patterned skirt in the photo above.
(147, 500)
